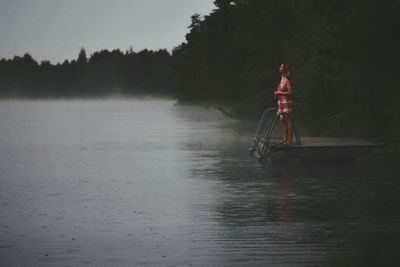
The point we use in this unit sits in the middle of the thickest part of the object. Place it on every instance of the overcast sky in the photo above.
(57, 29)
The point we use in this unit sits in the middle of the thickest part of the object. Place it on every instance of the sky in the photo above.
(56, 30)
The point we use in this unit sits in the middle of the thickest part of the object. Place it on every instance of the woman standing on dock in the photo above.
(284, 95)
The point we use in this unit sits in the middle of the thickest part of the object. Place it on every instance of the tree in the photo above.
(82, 56)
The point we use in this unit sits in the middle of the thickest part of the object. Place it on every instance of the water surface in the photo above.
(151, 183)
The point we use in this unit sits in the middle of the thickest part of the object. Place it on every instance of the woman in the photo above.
(284, 95)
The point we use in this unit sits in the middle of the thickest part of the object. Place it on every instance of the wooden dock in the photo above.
(323, 148)
(265, 147)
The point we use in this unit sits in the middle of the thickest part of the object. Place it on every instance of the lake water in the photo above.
(129, 182)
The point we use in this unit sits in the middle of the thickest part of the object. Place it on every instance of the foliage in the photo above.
(343, 55)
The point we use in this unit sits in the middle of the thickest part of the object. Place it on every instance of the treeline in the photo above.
(104, 73)
(343, 54)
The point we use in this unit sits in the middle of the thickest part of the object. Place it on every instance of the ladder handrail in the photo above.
(267, 138)
(262, 126)
(272, 125)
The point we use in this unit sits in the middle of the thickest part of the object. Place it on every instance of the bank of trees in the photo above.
(103, 73)
(343, 54)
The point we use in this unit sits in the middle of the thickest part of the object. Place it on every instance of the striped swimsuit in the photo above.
(284, 101)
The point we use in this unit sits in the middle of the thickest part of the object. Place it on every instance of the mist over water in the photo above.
(133, 182)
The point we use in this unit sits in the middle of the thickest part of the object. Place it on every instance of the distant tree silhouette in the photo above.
(82, 56)
(105, 72)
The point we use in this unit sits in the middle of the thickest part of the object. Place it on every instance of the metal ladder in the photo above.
(268, 122)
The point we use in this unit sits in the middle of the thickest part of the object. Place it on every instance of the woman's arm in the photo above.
(282, 93)
(288, 92)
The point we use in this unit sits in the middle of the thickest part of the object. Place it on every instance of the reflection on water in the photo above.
(311, 214)
(129, 182)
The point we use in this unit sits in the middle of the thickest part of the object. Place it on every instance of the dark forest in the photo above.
(343, 55)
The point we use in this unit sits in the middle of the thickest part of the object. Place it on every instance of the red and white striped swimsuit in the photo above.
(284, 101)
